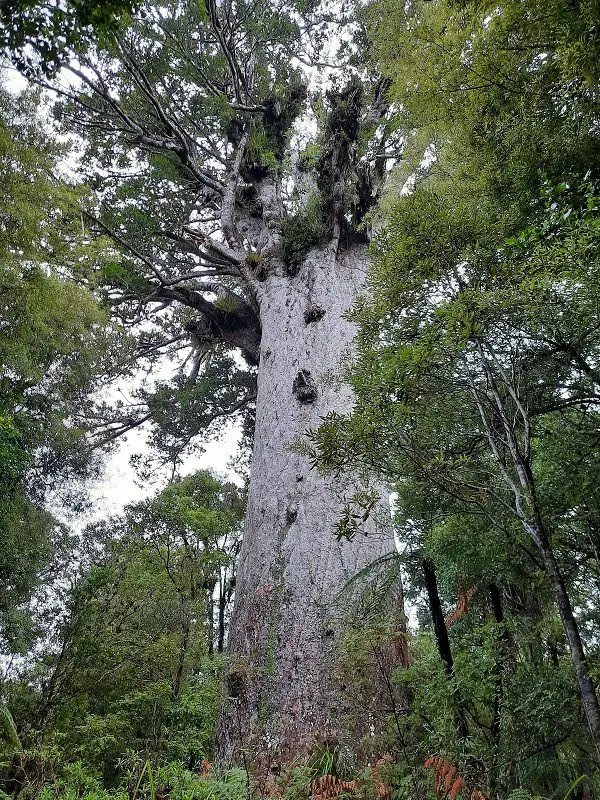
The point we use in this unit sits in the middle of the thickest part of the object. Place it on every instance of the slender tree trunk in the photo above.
(284, 685)
(441, 638)
(210, 619)
(499, 660)
(221, 619)
(183, 648)
(587, 689)
(496, 602)
(437, 617)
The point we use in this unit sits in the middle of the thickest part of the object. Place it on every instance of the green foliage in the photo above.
(38, 36)
(74, 782)
(480, 341)
(135, 670)
(229, 785)
(308, 159)
(477, 375)
(421, 386)
(260, 156)
(54, 342)
(492, 91)
(302, 231)
(182, 408)
(141, 781)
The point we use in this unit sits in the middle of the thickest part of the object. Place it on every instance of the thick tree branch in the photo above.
(236, 325)
(141, 135)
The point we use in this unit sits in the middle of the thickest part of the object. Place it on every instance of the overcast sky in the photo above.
(119, 484)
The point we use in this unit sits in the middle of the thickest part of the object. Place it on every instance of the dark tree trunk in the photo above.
(441, 637)
(183, 648)
(496, 602)
(587, 689)
(500, 657)
(221, 628)
(437, 617)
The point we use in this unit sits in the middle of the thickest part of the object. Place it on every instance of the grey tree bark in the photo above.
(286, 691)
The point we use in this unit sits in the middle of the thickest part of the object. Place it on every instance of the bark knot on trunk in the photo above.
(313, 314)
(236, 682)
(304, 387)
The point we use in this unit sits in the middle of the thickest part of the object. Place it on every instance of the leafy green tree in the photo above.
(499, 95)
(131, 668)
(54, 339)
(476, 377)
(481, 404)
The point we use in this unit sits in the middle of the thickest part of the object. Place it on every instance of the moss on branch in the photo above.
(269, 136)
(299, 232)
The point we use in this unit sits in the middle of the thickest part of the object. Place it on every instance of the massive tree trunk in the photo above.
(285, 687)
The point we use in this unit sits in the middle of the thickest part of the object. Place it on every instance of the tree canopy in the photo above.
(55, 340)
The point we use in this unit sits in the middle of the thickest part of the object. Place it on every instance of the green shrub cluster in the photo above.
(302, 231)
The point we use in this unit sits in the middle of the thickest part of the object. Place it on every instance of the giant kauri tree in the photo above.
(236, 230)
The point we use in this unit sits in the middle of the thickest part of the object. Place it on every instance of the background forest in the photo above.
(476, 380)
